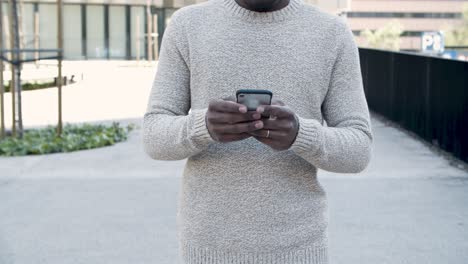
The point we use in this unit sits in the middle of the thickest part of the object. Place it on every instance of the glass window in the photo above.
(26, 12)
(72, 40)
(27, 22)
(95, 31)
(117, 32)
(169, 12)
(403, 15)
(5, 29)
(138, 31)
(47, 27)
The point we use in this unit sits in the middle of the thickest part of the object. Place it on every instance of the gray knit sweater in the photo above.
(243, 202)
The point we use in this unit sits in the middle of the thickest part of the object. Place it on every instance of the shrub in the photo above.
(36, 85)
(74, 137)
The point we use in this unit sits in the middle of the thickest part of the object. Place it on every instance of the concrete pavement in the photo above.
(115, 205)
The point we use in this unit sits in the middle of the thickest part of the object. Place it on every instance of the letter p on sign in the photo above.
(432, 42)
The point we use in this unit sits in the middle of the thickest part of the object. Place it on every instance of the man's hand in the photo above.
(282, 124)
(229, 121)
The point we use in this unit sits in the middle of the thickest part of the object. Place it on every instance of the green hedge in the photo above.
(74, 137)
(34, 86)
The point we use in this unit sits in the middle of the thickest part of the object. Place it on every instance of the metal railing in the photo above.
(424, 94)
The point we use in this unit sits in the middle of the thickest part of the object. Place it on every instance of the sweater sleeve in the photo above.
(170, 131)
(344, 145)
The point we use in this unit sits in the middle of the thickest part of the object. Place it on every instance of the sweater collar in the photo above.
(254, 16)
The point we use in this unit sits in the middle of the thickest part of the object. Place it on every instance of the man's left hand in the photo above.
(280, 125)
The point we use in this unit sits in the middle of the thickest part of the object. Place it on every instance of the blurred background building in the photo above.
(94, 29)
(133, 29)
(416, 17)
(104, 29)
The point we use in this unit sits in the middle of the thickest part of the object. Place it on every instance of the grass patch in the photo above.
(74, 137)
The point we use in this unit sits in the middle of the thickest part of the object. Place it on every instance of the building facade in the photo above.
(119, 29)
(133, 29)
(103, 29)
(416, 16)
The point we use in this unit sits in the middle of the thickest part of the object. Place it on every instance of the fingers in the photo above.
(278, 124)
(263, 133)
(230, 121)
(274, 139)
(220, 105)
(274, 110)
(238, 128)
(231, 118)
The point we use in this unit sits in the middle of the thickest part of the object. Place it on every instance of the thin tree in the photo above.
(60, 58)
(16, 70)
(2, 88)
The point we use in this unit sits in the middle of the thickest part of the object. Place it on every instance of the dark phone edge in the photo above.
(253, 91)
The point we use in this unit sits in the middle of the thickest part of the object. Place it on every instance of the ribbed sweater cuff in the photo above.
(200, 136)
(201, 255)
(308, 138)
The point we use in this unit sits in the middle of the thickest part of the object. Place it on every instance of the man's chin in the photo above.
(261, 6)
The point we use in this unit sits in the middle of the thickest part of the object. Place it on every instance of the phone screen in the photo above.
(252, 100)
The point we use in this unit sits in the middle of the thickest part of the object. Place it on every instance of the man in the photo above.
(249, 191)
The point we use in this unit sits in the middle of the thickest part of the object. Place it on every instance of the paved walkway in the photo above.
(115, 205)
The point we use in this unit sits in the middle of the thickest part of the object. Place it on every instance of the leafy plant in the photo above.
(73, 138)
(30, 86)
(458, 35)
(387, 37)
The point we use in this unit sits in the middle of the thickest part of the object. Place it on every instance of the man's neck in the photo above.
(263, 7)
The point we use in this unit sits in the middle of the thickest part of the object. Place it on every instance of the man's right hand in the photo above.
(229, 121)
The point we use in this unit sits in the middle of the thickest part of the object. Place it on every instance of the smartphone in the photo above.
(252, 98)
